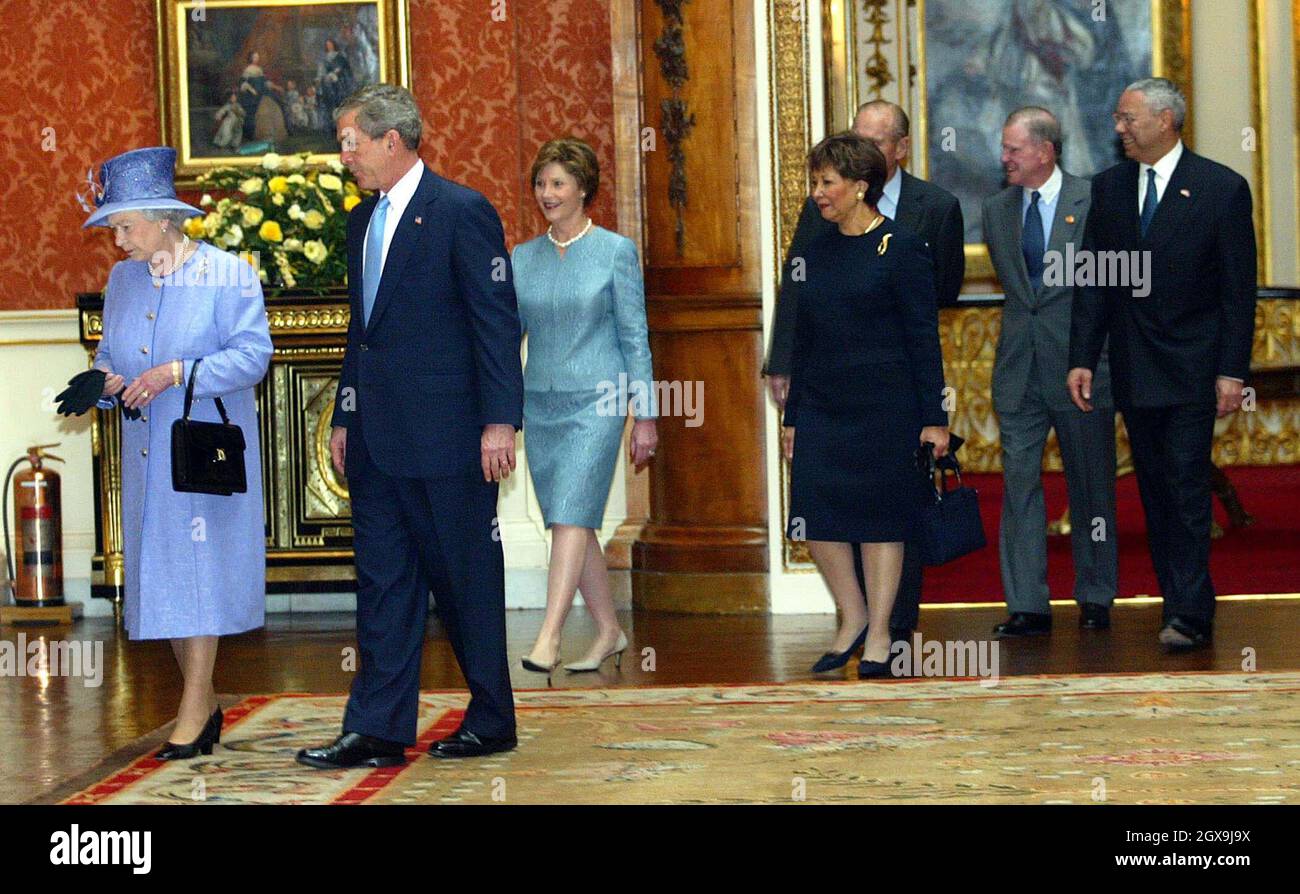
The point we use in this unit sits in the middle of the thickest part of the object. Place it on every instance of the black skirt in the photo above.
(853, 478)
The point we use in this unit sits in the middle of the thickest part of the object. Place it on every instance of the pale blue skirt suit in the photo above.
(195, 563)
(588, 367)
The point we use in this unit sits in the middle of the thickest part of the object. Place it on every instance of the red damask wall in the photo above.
(78, 85)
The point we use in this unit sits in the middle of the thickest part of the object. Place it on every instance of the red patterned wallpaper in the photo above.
(491, 93)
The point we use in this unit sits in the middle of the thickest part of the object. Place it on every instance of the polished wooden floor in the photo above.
(57, 728)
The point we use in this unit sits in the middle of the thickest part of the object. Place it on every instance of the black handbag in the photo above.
(207, 457)
(949, 525)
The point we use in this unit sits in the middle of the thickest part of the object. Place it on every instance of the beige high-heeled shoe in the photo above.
(531, 665)
(579, 667)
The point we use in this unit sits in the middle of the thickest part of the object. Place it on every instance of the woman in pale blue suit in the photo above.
(195, 563)
(582, 304)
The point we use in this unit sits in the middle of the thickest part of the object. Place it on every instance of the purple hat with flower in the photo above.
(139, 180)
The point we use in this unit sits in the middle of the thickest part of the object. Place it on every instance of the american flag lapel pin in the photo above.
(419, 220)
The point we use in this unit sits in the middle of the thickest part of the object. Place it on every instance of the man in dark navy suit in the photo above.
(932, 213)
(428, 403)
(1180, 342)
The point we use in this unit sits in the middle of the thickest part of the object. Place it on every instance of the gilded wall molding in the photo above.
(332, 320)
(876, 67)
(791, 139)
(282, 320)
(790, 123)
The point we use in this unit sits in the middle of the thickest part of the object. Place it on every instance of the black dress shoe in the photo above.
(1183, 634)
(354, 750)
(835, 660)
(464, 743)
(208, 736)
(1094, 616)
(871, 670)
(1024, 624)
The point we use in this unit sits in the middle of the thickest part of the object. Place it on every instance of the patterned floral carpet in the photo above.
(1186, 738)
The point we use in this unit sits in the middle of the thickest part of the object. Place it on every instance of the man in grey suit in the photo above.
(1028, 227)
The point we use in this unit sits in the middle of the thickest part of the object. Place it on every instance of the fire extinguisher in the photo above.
(38, 519)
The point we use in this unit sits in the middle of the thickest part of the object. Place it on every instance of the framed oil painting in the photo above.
(241, 78)
(960, 67)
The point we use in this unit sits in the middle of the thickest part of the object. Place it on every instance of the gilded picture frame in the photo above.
(878, 49)
(240, 78)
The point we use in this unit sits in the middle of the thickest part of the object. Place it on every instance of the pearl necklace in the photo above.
(566, 243)
(181, 259)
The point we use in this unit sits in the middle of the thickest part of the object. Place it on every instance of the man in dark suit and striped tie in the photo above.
(1180, 343)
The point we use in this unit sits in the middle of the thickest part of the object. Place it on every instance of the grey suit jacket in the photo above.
(1036, 321)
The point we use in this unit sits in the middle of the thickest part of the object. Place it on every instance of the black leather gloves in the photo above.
(83, 392)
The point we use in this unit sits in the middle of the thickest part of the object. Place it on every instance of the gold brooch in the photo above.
(884, 244)
(1069, 218)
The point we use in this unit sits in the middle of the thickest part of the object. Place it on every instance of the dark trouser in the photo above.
(1087, 442)
(413, 535)
(907, 605)
(1171, 457)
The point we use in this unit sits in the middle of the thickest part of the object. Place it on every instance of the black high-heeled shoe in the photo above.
(836, 660)
(210, 735)
(870, 670)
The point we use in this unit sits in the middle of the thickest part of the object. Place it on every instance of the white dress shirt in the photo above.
(398, 198)
(888, 204)
(1164, 169)
(1048, 193)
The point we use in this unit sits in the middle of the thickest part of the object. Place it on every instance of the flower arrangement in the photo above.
(286, 219)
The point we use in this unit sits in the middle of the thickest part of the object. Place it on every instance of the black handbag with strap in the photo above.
(949, 525)
(207, 457)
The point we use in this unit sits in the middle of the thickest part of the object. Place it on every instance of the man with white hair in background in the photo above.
(1039, 216)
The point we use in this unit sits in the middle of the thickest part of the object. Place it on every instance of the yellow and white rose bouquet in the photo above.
(286, 218)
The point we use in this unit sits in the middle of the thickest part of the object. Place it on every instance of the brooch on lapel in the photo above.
(419, 220)
(1185, 193)
(1069, 218)
(884, 244)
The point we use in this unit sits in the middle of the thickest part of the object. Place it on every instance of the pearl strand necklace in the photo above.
(566, 243)
(177, 262)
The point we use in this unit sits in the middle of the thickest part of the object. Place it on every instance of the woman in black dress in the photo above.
(866, 389)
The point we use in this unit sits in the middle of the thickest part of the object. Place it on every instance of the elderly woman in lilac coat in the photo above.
(195, 563)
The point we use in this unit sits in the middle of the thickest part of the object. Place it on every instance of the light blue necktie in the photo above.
(1150, 202)
(373, 270)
